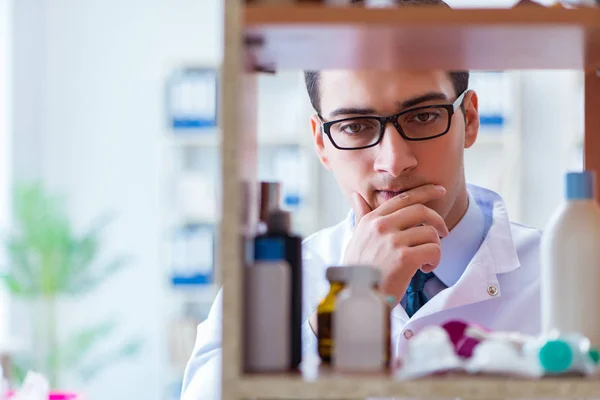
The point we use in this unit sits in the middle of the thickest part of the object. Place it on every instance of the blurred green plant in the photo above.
(49, 260)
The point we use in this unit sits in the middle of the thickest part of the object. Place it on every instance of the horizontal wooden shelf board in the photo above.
(293, 387)
(319, 37)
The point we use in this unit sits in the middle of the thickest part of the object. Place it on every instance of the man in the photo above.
(394, 141)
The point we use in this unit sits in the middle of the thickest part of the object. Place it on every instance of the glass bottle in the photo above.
(337, 277)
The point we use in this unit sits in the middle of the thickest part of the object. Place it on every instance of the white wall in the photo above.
(551, 122)
(88, 100)
(5, 144)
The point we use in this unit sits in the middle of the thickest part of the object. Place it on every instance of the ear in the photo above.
(315, 124)
(471, 104)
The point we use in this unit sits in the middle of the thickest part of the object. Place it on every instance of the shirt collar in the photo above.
(459, 247)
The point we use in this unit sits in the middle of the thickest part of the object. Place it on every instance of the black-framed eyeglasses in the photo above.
(419, 123)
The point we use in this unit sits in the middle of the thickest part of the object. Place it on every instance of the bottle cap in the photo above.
(580, 185)
(270, 199)
(594, 355)
(364, 274)
(279, 221)
(337, 274)
(556, 356)
(269, 249)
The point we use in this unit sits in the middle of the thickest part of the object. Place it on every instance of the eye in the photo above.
(352, 128)
(425, 117)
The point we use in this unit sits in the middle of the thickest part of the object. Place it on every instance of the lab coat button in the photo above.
(408, 334)
(492, 290)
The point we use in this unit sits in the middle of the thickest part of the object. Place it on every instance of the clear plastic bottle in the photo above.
(267, 332)
(360, 321)
(570, 258)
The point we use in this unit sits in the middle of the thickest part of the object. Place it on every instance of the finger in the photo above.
(361, 207)
(415, 215)
(418, 195)
(428, 268)
(419, 235)
(426, 256)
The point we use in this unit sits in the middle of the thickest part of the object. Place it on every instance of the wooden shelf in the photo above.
(319, 37)
(451, 386)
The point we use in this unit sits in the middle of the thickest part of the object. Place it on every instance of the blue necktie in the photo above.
(415, 298)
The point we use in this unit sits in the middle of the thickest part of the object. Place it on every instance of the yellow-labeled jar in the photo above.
(337, 277)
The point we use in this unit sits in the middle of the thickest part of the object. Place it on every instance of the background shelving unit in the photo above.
(259, 38)
(189, 217)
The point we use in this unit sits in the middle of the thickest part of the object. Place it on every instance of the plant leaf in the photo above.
(18, 370)
(22, 263)
(40, 239)
(129, 349)
(16, 288)
(92, 281)
(76, 348)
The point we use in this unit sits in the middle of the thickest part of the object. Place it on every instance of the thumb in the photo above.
(361, 207)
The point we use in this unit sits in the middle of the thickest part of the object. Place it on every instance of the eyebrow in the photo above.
(413, 101)
(421, 99)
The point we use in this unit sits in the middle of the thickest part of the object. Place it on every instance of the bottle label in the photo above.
(324, 336)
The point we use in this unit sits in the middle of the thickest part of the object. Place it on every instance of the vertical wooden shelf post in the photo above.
(592, 125)
(238, 205)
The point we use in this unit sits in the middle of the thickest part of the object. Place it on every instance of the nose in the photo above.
(395, 154)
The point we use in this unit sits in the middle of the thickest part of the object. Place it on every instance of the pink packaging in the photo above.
(464, 344)
(59, 396)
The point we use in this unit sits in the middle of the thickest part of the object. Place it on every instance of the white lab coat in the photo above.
(500, 289)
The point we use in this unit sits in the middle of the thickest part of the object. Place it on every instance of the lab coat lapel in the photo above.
(472, 287)
(479, 282)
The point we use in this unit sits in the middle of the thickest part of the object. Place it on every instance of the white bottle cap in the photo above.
(364, 274)
(344, 274)
(337, 274)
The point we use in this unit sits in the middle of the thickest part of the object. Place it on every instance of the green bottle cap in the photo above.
(594, 355)
(556, 356)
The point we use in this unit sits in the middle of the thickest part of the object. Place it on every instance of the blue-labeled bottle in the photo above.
(267, 309)
(279, 227)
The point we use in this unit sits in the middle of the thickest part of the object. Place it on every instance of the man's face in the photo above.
(394, 165)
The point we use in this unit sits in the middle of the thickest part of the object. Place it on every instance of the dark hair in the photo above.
(460, 79)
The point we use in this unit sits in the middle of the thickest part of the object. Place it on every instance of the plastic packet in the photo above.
(500, 356)
(35, 387)
(428, 353)
(563, 354)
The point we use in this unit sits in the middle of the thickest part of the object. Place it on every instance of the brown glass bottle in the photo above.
(325, 312)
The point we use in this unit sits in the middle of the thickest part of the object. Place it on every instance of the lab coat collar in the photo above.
(479, 282)
(500, 244)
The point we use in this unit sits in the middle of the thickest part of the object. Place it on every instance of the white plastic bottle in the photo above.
(570, 257)
(267, 309)
(360, 326)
